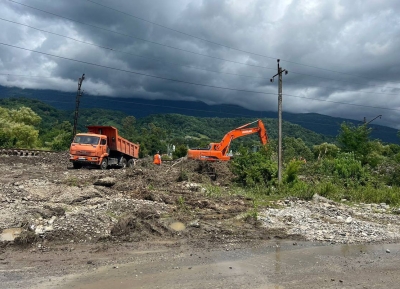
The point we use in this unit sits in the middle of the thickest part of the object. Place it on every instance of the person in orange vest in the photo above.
(157, 159)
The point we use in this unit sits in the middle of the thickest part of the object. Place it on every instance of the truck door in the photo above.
(103, 146)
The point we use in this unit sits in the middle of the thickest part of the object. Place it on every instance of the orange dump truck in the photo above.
(103, 147)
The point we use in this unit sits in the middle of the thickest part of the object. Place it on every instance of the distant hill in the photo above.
(141, 108)
(191, 130)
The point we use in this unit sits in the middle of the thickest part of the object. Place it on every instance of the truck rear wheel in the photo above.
(131, 163)
(122, 163)
(104, 164)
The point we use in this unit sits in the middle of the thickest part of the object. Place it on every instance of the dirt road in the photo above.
(269, 264)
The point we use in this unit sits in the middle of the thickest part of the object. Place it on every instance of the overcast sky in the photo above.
(356, 43)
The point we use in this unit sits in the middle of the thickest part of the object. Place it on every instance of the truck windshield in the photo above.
(86, 139)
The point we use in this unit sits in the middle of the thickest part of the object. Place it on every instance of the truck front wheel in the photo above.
(104, 164)
(77, 165)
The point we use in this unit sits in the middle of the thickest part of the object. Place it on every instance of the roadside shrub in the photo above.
(295, 148)
(292, 171)
(345, 166)
(298, 189)
(393, 178)
(325, 150)
(254, 168)
(328, 190)
(390, 196)
(180, 151)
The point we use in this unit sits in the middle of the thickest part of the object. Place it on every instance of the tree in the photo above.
(128, 125)
(355, 139)
(325, 150)
(180, 151)
(295, 148)
(152, 140)
(17, 127)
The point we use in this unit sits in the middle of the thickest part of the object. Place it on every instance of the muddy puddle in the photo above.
(177, 226)
(276, 265)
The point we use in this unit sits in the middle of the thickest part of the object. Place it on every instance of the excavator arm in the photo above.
(219, 151)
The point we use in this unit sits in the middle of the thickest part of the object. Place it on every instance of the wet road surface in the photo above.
(272, 265)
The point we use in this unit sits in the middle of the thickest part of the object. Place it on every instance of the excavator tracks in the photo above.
(25, 152)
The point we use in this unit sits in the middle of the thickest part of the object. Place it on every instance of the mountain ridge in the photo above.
(140, 108)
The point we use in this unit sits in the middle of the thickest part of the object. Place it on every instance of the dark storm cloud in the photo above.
(361, 39)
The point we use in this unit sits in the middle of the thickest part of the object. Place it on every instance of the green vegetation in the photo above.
(351, 166)
(153, 133)
(368, 172)
(18, 127)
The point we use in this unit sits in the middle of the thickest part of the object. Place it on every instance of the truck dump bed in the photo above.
(115, 142)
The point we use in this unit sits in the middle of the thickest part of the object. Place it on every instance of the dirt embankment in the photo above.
(44, 200)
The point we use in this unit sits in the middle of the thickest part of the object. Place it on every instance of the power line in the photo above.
(335, 79)
(137, 38)
(134, 72)
(223, 45)
(187, 82)
(339, 102)
(338, 88)
(199, 110)
(28, 76)
(172, 47)
(128, 53)
(163, 60)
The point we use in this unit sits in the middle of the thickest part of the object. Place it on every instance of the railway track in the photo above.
(25, 152)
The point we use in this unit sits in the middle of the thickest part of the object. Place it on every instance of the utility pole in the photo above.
(365, 120)
(280, 71)
(79, 93)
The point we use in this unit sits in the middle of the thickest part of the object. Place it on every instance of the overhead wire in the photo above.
(138, 38)
(111, 99)
(29, 76)
(211, 112)
(223, 45)
(173, 47)
(134, 72)
(345, 89)
(159, 59)
(128, 53)
(188, 82)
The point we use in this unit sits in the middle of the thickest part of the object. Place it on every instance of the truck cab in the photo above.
(89, 149)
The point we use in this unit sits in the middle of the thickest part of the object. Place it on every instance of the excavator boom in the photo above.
(219, 151)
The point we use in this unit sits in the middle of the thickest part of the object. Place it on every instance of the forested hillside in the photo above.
(162, 128)
(141, 108)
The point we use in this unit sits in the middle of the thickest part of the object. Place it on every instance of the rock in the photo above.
(105, 182)
(387, 251)
(195, 224)
(349, 220)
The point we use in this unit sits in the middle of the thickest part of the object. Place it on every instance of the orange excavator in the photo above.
(219, 151)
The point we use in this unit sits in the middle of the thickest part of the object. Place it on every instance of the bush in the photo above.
(254, 168)
(180, 151)
(325, 150)
(292, 171)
